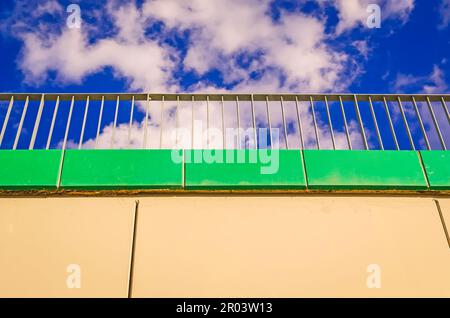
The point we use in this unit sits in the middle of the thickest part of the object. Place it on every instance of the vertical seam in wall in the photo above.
(183, 170)
(305, 174)
(423, 169)
(61, 163)
(441, 216)
(132, 251)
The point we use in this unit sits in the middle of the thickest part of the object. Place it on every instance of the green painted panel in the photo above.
(244, 169)
(29, 169)
(437, 167)
(121, 169)
(361, 169)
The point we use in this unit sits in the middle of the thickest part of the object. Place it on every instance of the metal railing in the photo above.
(292, 121)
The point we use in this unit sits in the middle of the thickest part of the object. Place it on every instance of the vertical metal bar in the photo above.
(131, 120)
(436, 123)
(254, 121)
(192, 126)
(422, 127)
(300, 129)
(207, 121)
(144, 142)
(224, 145)
(19, 129)
(269, 121)
(37, 123)
(5, 123)
(444, 105)
(115, 122)
(391, 125)
(100, 116)
(238, 121)
(347, 133)
(177, 119)
(405, 122)
(361, 125)
(86, 110)
(284, 123)
(315, 122)
(330, 123)
(374, 117)
(69, 119)
(161, 123)
(52, 126)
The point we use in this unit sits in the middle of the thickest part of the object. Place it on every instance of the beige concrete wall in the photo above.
(226, 246)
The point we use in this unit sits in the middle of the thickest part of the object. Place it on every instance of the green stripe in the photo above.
(122, 169)
(29, 169)
(244, 169)
(364, 170)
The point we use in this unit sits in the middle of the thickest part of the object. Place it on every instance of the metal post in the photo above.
(408, 131)
(144, 143)
(269, 122)
(315, 122)
(100, 115)
(177, 120)
(284, 123)
(224, 145)
(345, 124)
(254, 121)
(86, 109)
(238, 121)
(300, 129)
(19, 129)
(161, 123)
(374, 117)
(391, 125)
(37, 123)
(5, 123)
(69, 119)
(436, 124)
(330, 123)
(358, 115)
(131, 120)
(444, 105)
(422, 127)
(192, 126)
(207, 122)
(115, 122)
(52, 126)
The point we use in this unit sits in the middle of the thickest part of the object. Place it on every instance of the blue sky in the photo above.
(206, 46)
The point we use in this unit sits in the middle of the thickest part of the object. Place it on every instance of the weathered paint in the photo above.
(437, 166)
(361, 169)
(29, 169)
(244, 169)
(128, 169)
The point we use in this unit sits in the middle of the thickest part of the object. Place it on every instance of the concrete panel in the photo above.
(288, 246)
(41, 238)
(437, 167)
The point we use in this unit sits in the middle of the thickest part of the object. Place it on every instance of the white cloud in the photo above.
(444, 11)
(433, 83)
(354, 12)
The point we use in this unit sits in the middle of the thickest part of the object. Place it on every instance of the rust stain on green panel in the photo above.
(122, 169)
(361, 169)
(29, 169)
(437, 167)
(244, 169)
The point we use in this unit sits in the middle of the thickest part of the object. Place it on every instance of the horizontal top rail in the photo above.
(226, 96)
